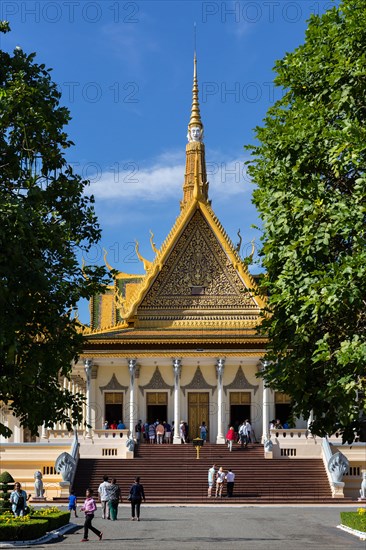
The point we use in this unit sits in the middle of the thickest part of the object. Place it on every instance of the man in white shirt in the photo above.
(211, 480)
(248, 429)
(230, 478)
(242, 432)
(103, 491)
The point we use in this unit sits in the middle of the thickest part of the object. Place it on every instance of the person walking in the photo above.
(182, 431)
(89, 508)
(242, 436)
(72, 503)
(136, 496)
(203, 432)
(18, 500)
(138, 432)
(211, 478)
(230, 438)
(220, 478)
(103, 491)
(248, 432)
(230, 479)
(114, 494)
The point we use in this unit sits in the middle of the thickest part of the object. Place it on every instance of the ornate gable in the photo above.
(197, 278)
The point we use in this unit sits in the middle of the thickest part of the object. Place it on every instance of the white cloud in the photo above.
(163, 179)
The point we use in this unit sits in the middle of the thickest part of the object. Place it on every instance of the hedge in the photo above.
(55, 520)
(23, 531)
(32, 526)
(354, 520)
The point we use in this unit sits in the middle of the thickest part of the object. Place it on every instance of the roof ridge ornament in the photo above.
(195, 126)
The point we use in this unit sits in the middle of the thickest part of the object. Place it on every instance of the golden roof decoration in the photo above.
(146, 263)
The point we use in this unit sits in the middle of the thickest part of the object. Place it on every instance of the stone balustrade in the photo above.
(294, 433)
(292, 443)
(111, 433)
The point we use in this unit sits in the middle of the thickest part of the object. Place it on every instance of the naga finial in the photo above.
(147, 265)
(153, 246)
(105, 260)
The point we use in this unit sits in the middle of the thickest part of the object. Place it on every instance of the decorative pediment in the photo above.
(198, 382)
(198, 275)
(157, 382)
(113, 385)
(240, 382)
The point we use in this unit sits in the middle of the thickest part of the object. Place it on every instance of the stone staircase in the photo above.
(172, 474)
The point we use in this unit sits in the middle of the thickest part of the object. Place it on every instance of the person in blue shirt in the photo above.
(120, 425)
(18, 500)
(72, 502)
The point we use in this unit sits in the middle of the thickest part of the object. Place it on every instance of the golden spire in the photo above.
(195, 120)
(195, 151)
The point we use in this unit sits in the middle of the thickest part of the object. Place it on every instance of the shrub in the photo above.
(355, 520)
(6, 485)
(54, 517)
(23, 529)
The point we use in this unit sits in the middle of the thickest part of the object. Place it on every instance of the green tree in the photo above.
(309, 169)
(46, 223)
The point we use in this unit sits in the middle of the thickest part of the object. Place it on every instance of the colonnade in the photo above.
(177, 370)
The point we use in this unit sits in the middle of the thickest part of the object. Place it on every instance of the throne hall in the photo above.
(180, 342)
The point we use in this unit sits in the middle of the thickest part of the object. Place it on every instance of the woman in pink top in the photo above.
(89, 508)
(230, 438)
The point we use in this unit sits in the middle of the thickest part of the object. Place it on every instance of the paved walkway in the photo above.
(229, 527)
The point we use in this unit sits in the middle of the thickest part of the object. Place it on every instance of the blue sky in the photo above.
(125, 71)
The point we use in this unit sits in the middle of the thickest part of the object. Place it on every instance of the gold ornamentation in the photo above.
(157, 382)
(198, 382)
(198, 260)
(153, 246)
(240, 382)
(147, 265)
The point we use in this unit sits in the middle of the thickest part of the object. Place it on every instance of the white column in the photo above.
(265, 412)
(310, 420)
(267, 395)
(88, 368)
(132, 369)
(220, 366)
(44, 433)
(177, 368)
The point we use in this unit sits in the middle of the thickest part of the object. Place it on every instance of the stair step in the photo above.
(172, 474)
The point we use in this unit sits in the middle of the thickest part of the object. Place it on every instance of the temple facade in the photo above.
(179, 343)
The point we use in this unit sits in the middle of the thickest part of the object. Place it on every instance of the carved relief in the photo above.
(198, 383)
(157, 382)
(240, 382)
(198, 260)
(113, 385)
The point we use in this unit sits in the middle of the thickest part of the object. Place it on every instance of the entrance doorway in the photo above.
(283, 407)
(198, 412)
(113, 407)
(156, 406)
(239, 408)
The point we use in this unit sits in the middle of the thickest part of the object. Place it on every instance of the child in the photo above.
(72, 502)
(89, 508)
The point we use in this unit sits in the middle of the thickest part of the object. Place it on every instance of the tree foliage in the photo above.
(309, 169)
(46, 222)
